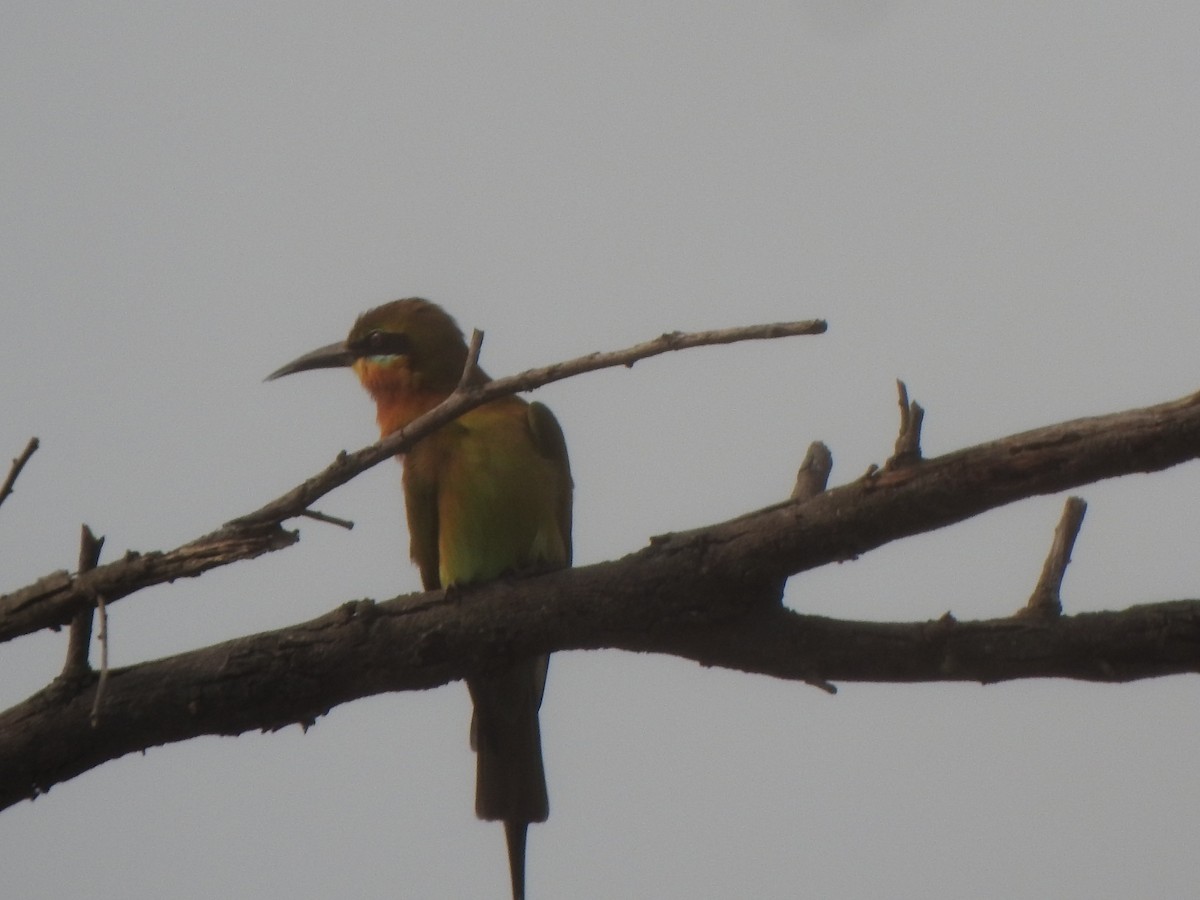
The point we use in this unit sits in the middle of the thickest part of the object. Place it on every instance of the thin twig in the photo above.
(470, 373)
(102, 637)
(80, 638)
(17, 465)
(325, 517)
(1046, 599)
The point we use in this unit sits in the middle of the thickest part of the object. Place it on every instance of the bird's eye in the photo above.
(384, 343)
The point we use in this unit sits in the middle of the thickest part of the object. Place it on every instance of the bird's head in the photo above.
(408, 353)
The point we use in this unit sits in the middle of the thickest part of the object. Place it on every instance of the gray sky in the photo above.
(996, 202)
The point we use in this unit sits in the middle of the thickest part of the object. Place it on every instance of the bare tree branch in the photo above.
(295, 675)
(846, 521)
(54, 599)
(835, 525)
(711, 594)
(347, 465)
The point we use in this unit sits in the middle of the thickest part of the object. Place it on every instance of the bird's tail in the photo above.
(510, 780)
(514, 836)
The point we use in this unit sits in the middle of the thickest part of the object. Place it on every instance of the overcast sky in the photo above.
(996, 202)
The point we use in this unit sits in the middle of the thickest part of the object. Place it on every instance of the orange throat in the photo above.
(399, 399)
(394, 411)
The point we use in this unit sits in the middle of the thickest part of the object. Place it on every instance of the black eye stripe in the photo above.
(382, 343)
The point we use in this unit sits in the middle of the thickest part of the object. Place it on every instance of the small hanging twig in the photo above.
(102, 637)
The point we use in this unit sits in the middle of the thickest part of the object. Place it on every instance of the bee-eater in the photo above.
(487, 495)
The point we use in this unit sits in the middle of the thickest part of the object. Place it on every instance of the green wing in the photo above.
(550, 443)
(421, 507)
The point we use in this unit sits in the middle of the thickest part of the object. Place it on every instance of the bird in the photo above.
(487, 496)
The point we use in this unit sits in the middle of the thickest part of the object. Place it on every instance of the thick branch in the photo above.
(1140, 642)
(297, 674)
(847, 521)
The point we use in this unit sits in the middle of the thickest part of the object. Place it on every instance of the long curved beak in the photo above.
(334, 356)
